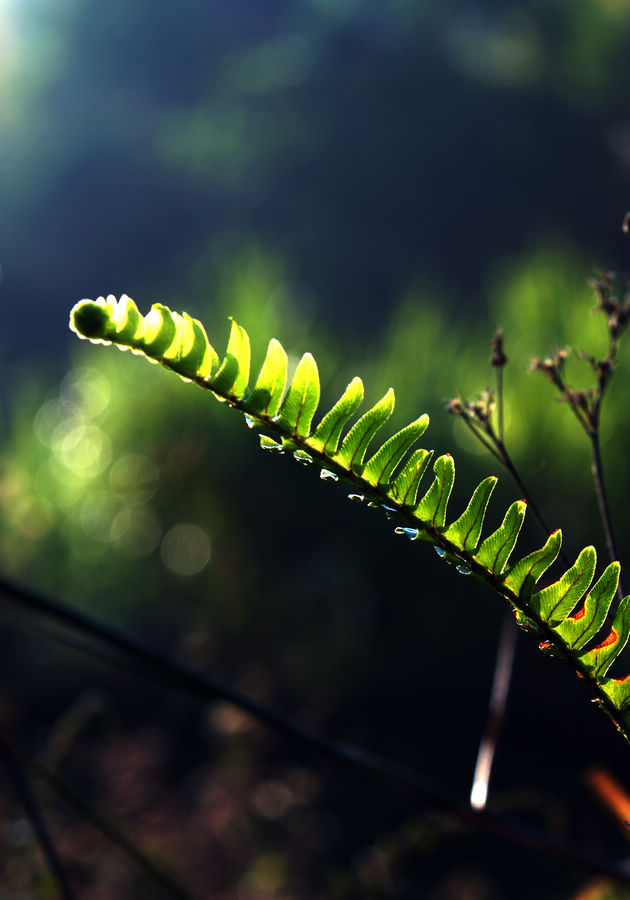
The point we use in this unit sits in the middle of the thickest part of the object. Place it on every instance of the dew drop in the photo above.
(303, 457)
(440, 551)
(267, 443)
(412, 533)
(251, 423)
(463, 570)
(358, 497)
(327, 475)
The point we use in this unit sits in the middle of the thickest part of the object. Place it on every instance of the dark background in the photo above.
(380, 183)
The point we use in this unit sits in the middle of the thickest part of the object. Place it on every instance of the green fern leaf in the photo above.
(92, 319)
(268, 443)
(496, 549)
(554, 603)
(379, 468)
(268, 391)
(302, 399)
(127, 320)
(404, 488)
(355, 443)
(618, 690)
(159, 333)
(524, 575)
(189, 354)
(599, 659)
(578, 629)
(232, 377)
(327, 434)
(464, 532)
(432, 507)
(178, 341)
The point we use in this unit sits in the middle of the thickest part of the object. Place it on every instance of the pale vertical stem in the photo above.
(497, 706)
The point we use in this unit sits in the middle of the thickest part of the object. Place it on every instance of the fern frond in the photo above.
(354, 445)
(497, 548)
(578, 629)
(465, 531)
(269, 388)
(390, 479)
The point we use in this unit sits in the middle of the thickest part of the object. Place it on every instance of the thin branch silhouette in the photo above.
(35, 816)
(586, 405)
(417, 790)
(110, 831)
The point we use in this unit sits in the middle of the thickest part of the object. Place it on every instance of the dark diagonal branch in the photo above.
(107, 829)
(417, 790)
(34, 814)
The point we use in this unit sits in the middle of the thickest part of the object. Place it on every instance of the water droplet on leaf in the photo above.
(268, 443)
(327, 475)
(412, 533)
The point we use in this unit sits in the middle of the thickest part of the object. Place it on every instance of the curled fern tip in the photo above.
(88, 319)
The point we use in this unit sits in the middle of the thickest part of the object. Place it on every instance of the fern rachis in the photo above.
(389, 478)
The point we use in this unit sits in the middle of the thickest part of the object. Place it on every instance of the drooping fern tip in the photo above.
(88, 319)
(567, 615)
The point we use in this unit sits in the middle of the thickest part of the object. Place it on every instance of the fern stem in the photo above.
(418, 791)
(499, 371)
(494, 444)
(504, 457)
(34, 814)
(488, 443)
(604, 509)
(590, 422)
(509, 467)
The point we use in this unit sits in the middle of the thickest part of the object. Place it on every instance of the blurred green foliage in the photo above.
(368, 146)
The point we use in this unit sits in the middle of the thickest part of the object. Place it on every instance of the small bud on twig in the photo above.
(455, 406)
(551, 367)
(498, 358)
